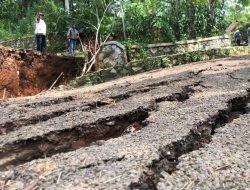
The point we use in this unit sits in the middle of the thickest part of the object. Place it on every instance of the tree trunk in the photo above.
(66, 6)
(123, 22)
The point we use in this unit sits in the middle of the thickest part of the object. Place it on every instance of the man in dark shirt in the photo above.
(72, 36)
(238, 37)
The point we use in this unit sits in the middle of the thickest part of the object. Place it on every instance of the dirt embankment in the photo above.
(24, 73)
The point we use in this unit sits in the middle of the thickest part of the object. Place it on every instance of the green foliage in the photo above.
(239, 11)
(147, 21)
(4, 33)
(172, 20)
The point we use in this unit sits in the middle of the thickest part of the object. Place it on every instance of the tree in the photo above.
(87, 66)
(66, 5)
(147, 21)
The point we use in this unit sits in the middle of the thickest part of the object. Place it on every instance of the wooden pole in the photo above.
(56, 81)
(4, 93)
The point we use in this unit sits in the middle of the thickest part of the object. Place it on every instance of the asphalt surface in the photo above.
(180, 128)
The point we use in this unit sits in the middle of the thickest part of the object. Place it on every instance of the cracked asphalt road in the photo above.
(181, 128)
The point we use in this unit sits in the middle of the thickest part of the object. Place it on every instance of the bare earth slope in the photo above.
(27, 73)
(181, 128)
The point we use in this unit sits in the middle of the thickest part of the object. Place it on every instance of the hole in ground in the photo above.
(27, 73)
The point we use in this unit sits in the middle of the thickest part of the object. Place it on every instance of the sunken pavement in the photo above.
(186, 127)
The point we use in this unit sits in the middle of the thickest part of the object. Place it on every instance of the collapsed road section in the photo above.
(168, 129)
(26, 73)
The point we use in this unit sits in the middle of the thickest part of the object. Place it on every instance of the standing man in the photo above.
(248, 36)
(72, 36)
(238, 37)
(40, 32)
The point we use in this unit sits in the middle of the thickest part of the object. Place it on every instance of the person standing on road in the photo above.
(238, 37)
(40, 32)
(248, 36)
(72, 36)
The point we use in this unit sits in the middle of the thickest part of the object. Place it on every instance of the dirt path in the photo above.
(181, 128)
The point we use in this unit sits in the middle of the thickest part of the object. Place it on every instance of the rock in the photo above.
(6, 175)
(18, 185)
(110, 123)
(136, 69)
(44, 168)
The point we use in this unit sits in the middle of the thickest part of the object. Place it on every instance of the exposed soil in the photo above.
(25, 73)
(180, 128)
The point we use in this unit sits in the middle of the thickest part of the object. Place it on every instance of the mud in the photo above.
(156, 130)
(26, 73)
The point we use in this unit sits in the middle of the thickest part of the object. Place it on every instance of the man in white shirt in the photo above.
(40, 32)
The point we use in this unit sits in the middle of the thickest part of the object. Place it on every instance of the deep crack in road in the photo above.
(180, 128)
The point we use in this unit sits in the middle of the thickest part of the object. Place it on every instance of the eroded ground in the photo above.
(180, 128)
(27, 73)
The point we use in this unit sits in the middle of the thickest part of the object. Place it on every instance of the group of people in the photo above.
(73, 35)
(40, 32)
(238, 37)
